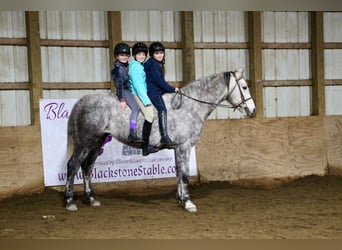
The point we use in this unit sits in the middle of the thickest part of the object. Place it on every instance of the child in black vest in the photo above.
(123, 89)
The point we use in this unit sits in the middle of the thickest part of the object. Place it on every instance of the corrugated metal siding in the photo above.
(286, 64)
(71, 94)
(333, 62)
(12, 24)
(287, 101)
(74, 64)
(332, 26)
(73, 25)
(285, 27)
(13, 61)
(151, 26)
(15, 108)
(220, 26)
(14, 105)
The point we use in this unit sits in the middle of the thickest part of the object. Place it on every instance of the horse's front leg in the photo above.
(182, 156)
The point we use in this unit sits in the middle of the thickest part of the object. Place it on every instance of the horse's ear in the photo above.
(227, 76)
(239, 73)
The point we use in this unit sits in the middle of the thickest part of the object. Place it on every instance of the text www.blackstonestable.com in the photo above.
(109, 173)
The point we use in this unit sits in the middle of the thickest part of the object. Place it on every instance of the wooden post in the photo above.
(255, 60)
(34, 64)
(188, 47)
(114, 36)
(317, 63)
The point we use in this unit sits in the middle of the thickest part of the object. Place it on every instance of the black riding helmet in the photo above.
(156, 46)
(122, 48)
(139, 47)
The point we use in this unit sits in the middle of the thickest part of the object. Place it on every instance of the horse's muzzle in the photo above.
(249, 112)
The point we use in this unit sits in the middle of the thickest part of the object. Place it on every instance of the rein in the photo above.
(198, 100)
(212, 103)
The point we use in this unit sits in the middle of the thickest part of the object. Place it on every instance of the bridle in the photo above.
(243, 99)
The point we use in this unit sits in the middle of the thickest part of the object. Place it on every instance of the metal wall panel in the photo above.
(15, 108)
(332, 70)
(135, 25)
(14, 104)
(287, 101)
(70, 64)
(285, 27)
(71, 94)
(73, 25)
(13, 61)
(332, 22)
(220, 26)
(75, 64)
(333, 62)
(333, 100)
(12, 24)
(151, 26)
(286, 64)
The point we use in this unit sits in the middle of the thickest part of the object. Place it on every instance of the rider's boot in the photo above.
(165, 141)
(146, 147)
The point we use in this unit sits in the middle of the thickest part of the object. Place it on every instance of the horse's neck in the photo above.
(206, 91)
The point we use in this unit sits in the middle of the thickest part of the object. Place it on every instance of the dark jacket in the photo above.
(156, 84)
(121, 79)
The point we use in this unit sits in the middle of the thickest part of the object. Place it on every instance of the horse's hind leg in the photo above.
(87, 168)
(182, 155)
(72, 167)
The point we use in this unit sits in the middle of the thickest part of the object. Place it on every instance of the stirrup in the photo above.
(149, 150)
(134, 139)
(167, 144)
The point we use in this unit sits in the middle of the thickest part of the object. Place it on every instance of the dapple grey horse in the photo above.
(96, 116)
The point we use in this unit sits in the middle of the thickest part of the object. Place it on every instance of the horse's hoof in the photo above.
(94, 202)
(71, 207)
(189, 206)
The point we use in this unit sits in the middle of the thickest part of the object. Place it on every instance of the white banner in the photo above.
(116, 162)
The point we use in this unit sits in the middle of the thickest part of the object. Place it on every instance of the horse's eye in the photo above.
(244, 87)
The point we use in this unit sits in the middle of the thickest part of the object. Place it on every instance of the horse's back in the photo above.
(95, 113)
(98, 100)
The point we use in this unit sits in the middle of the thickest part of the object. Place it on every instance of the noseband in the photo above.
(243, 100)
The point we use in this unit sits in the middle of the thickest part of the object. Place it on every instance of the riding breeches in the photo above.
(158, 103)
(146, 110)
(132, 104)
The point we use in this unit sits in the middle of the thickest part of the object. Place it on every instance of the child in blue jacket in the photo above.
(157, 86)
(137, 78)
(123, 89)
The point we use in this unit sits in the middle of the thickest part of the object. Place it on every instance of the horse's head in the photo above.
(238, 93)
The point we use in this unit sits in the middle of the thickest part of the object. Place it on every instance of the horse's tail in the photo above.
(70, 135)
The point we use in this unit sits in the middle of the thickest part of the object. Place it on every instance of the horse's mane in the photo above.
(203, 83)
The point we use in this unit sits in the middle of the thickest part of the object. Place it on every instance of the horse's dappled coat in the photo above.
(95, 116)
